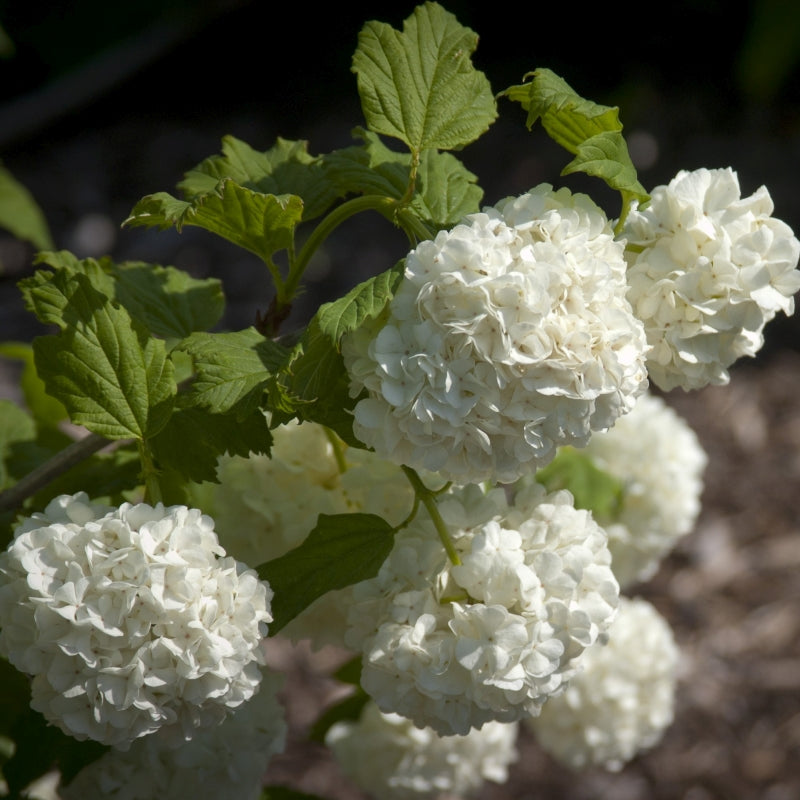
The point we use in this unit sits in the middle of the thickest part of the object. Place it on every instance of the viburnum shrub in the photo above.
(454, 471)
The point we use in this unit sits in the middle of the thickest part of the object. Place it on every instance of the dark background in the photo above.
(103, 103)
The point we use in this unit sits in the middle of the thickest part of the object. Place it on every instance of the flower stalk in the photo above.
(428, 499)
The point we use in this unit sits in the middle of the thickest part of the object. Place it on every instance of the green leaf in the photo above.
(20, 214)
(194, 439)
(47, 300)
(445, 189)
(16, 425)
(286, 168)
(365, 301)
(371, 167)
(316, 386)
(350, 671)
(315, 383)
(347, 710)
(113, 378)
(169, 302)
(419, 85)
(593, 489)
(341, 550)
(591, 132)
(46, 410)
(260, 223)
(233, 369)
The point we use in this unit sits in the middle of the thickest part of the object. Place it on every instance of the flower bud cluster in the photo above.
(452, 646)
(130, 619)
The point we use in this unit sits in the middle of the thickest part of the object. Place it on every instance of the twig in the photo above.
(72, 454)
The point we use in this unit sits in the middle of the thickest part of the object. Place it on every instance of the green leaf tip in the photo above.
(419, 85)
(20, 214)
(364, 301)
(591, 132)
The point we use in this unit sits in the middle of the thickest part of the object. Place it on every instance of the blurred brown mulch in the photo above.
(731, 591)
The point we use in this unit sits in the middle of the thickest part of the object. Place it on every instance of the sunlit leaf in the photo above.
(260, 223)
(110, 374)
(445, 189)
(591, 132)
(286, 168)
(232, 369)
(419, 85)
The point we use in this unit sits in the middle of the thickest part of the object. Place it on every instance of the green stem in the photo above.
(277, 279)
(152, 488)
(428, 499)
(412, 179)
(413, 513)
(416, 229)
(627, 204)
(368, 202)
(634, 248)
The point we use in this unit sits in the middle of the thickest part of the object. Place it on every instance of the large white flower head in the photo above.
(226, 762)
(621, 701)
(510, 335)
(454, 646)
(708, 270)
(264, 506)
(130, 619)
(388, 757)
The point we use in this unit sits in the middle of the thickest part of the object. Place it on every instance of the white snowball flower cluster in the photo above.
(452, 647)
(130, 619)
(622, 700)
(388, 757)
(225, 762)
(657, 463)
(708, 270)
(510, 335)
(264, 506)
(660, 463)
